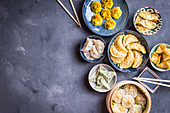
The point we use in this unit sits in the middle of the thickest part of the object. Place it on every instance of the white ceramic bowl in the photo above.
(111, 84)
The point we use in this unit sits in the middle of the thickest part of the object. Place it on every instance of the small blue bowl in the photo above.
(142, 41)
(95, 60)
(101, 30)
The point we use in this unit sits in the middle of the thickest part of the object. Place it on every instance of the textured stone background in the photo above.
(41, 70)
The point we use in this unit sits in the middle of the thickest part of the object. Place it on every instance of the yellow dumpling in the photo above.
(148, 16)
(114, 52)
(117, 60)
(110, 24)
(155, 58)
(119, 44)
(138, 59)
(107, 3)
(116, 12)
(127, 63)
(96, 7)
(164, 65)
(129, 39)
(97, 20)
(160, 48)
(106, 14)
(165, 57)
(137, 46)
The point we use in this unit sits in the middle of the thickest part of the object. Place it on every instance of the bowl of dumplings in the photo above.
(128, 97)
(160, 57)
(102, 78)
(128, 51)
(92, 49)
(147, 20)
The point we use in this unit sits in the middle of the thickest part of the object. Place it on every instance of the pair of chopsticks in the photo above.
(77, 21)
(150, 80)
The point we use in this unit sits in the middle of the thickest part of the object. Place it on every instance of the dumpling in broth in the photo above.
(128, 60)
(147, 24)
(119, 44)
(137, 46)
(135, 109)
(94, 53)
(128, 101)
(88, 45)
(114, 52)
(99, 45)
(129, 39)
(138, 59)
(148, 16)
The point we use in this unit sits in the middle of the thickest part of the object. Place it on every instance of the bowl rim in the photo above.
(106, 65)
(106, 34)
(153, 65)
(138, 85)
(108, 49)
(140, 31)
(104, 53)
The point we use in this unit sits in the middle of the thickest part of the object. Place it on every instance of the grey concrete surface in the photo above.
(41, 70)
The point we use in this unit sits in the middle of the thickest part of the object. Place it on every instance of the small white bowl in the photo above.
(150, 55)
(111, 84)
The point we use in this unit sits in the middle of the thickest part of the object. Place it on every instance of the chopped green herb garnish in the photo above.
(143, 107)
(136, 103)
(123, 86)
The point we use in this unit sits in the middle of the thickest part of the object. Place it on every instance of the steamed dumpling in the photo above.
(147, 24)
(116, 12)
(114, 52)
(118, 108)
(140, 99)
(131, 90)
(128, 60)
(96, 7)
(117, 60)
(148, 16)
(118, 95)
(127, 101)
(119, 44)
(137, 46)
(94, 53)
(88, 45)
(129, 39)
(107, 3)
(99, 45)
(135, 109)
(106, 14)
(138, 59)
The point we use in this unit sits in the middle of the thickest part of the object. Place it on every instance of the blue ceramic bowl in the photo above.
(150, 55)
(142, 41)
(95, 60)
(101, 30)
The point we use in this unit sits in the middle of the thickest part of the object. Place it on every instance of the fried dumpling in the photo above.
(138, 59)
(165, 57)
(88, 45)
(114, 52)
(117, 60)
(128, 60)
(138, 19)
(137, 46)
(161, 48)
(118, 108)
(164, 65)
(87, 55)
(99, 45)
(129, 39)
(167, 51)
(142, 29)
(131, 90)
(140, 99)
(155, 58)
(147, 24)
(127, 101)
(118, 95)
(119, 44)
(135, 109)
(94, 53)
(148, 16)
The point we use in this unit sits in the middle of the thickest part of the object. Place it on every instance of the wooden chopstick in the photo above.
(152, 82)
(72, 5)
(68, 12)
(158, 80)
